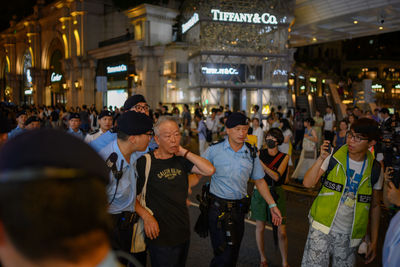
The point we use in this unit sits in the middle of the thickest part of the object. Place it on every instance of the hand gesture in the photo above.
(276, 216)
(181, 151)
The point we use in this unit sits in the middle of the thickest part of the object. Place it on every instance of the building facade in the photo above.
(77, 52)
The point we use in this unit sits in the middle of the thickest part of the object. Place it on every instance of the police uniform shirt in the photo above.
(126, 192)
(233, 170)
(94, 135)
(102, 141)
(79, 134)
(16, 131)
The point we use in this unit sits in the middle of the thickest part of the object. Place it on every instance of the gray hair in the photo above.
(162, 120)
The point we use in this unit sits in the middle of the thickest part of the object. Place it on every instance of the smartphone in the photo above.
(329, 148)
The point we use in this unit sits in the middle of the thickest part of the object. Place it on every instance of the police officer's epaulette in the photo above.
(94, 132)
(253, 150)
(217, 142)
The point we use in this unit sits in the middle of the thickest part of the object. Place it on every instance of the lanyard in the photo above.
(352, 184)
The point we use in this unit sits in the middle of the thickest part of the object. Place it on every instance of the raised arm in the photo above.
(201, 165)
(314, 173)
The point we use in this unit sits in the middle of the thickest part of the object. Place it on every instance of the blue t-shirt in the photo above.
(391, 247)
(233, 170)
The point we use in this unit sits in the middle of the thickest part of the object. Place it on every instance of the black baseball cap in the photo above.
(19, 113)
(74, 116)
(105, 113)
(235, 119)
(31, 119)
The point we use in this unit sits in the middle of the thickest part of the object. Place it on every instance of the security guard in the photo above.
(21, 118)
(74, 122)
(133, 136)
(105, 120)
(235, 163)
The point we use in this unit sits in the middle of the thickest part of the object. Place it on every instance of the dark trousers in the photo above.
(173, 256)
(328, 135)
(121, 239)
(298, 139)
(229, 255)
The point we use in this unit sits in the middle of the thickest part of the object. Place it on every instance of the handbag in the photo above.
(139, 235)
(309, 149)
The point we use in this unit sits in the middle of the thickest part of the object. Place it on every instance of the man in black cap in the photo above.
(32, 123)
(20, 118)
(105, 120)
(133, 136)
(235, 163)
(133, 103)
(53, 202)
(74, 122)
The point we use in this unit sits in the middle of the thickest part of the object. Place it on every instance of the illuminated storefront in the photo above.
(57, 89)
(236, 55)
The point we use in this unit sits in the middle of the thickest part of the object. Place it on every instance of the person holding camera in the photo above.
(348, 200)
(391, 247)
(275, 165)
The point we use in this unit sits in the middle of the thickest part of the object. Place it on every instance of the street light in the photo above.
(76, 83)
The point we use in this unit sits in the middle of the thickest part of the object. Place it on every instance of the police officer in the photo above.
(133, 103)
(133, 136)
(32, 123)
(235, 162)
(74, 122)
(105, 120)
(21, 118)
(68, 225)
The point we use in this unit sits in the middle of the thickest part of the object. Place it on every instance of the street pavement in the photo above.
(298, 205)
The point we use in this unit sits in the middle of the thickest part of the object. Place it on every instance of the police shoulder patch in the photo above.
(94, 132)
(217, 142)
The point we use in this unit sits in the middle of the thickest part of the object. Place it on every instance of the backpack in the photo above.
(208, 135)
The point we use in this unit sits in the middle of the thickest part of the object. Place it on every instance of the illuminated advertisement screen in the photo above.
(224, 72)
(116, 98)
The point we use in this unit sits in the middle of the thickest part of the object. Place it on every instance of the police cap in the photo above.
(134, 123)
(49, 149)
(133, 100)
(31, 119)
(105, 113)
(74, 116)
(235, 119)
(19, 113)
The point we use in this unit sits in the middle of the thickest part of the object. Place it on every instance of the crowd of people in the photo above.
(147, 160)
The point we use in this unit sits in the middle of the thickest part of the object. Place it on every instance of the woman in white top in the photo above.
(257, 131)
(287, 134)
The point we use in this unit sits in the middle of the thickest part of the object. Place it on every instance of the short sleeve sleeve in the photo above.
(207, 154)
(187, 164)
(325, 164)
(258, 171)
(379, 184)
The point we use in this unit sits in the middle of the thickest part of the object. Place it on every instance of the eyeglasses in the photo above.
(356, 138)
(141, 107)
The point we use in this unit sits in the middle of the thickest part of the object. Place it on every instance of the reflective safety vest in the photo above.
(325, 206)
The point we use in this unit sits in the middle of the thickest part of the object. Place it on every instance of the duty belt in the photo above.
(226, 204)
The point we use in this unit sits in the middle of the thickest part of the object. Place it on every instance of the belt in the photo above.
(221, 202)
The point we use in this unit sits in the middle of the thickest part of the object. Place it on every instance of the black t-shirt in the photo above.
(266, 158)
(166, 194)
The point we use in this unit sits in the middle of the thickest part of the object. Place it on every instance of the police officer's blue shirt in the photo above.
(16, 131)
(391, 247)
(79, 134)
(126, 193)
(102, 141)
(233, 170)
(110, 261)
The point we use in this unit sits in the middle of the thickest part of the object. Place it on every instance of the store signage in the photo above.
(55, 77)
(280, 72)
(397, 86)
(219, 71)
(28, 91)
(115, 69)
(376, 86)
(190, 23)
(257, 18)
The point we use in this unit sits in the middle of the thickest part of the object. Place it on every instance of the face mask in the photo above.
(271, 143)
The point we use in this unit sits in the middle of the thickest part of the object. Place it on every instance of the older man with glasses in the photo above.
(348, 200)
